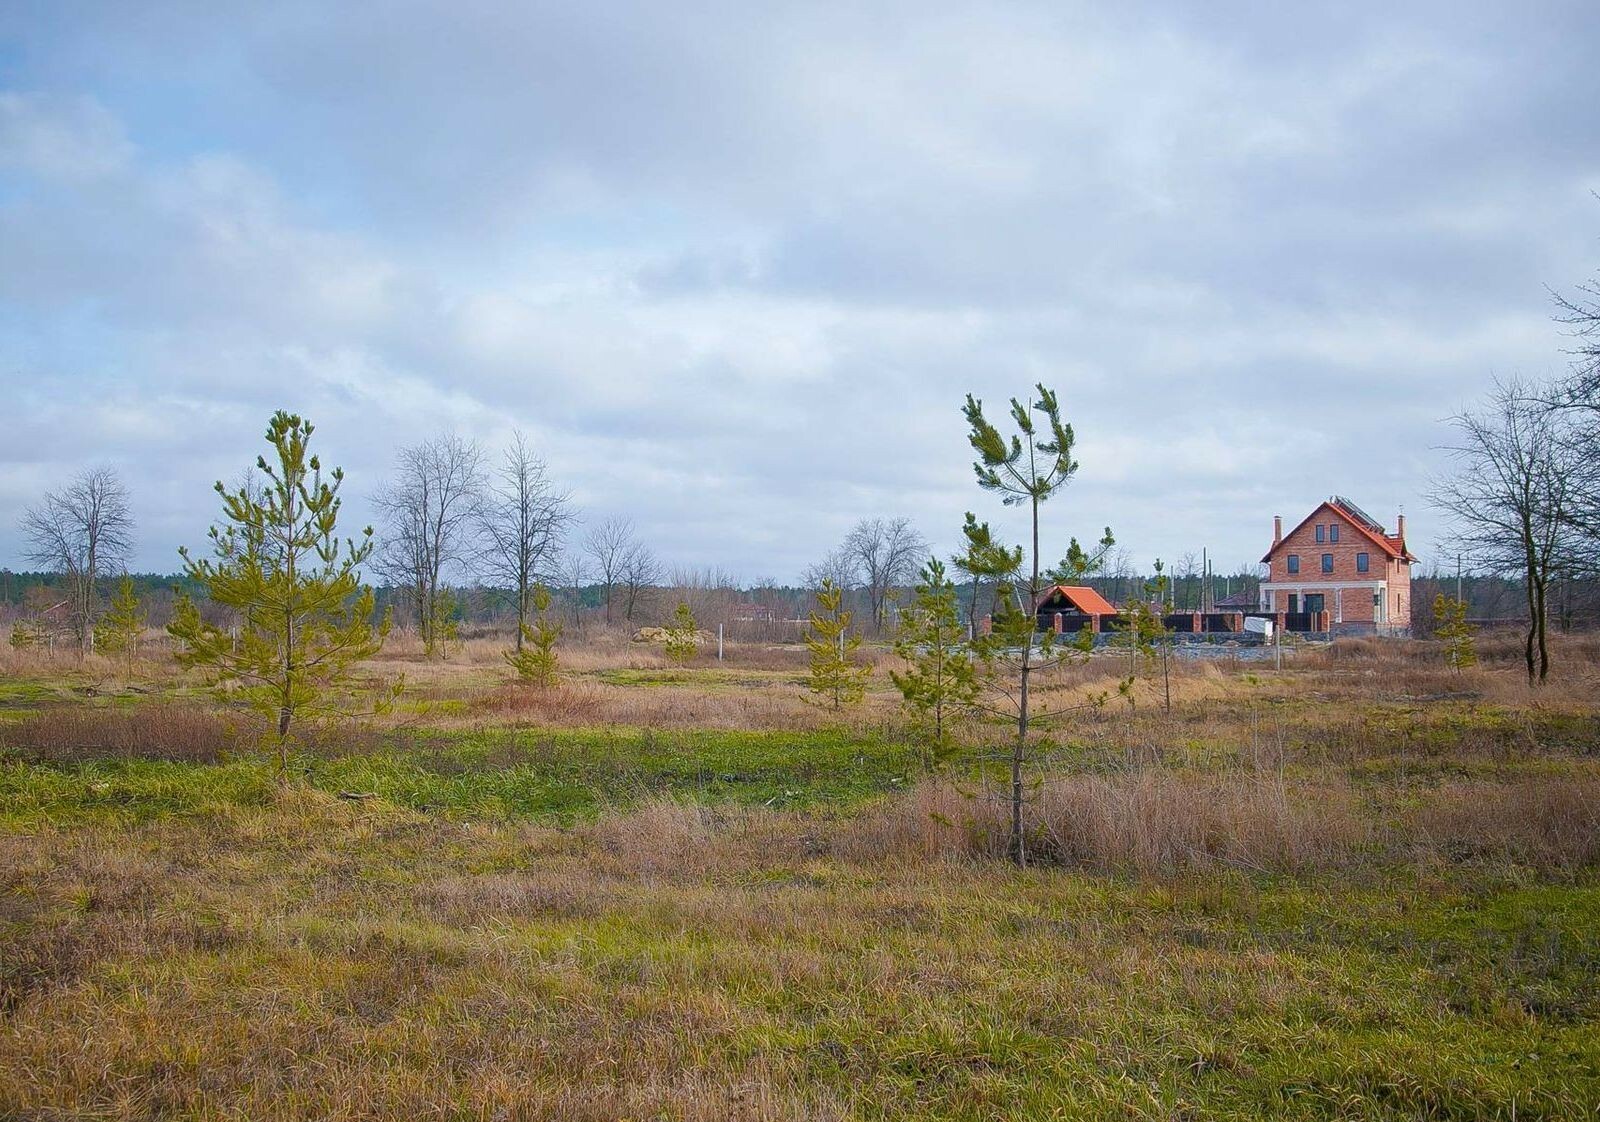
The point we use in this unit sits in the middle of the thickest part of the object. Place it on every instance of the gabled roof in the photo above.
(1086, 600)
(1393, 547)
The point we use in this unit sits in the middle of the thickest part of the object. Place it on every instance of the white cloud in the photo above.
(736, 268)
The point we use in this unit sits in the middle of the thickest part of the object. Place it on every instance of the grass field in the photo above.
(1364, 887)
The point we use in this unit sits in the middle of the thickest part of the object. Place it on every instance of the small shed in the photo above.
(1074, 604)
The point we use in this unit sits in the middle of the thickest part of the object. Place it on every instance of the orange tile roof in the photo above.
(1085, 599)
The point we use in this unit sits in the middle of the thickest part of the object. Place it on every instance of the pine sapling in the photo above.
(837, 677)
(535, 659)
(278, 562)
(120, 629)
(683, 635)
(941, 677)
(1460, 648)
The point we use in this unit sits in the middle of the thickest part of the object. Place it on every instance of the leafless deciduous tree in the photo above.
(1185, 579)
(887, 553)
(84, 532)
(574, 570)
(430, 511)
(839, 567)
(521, 520)
(607, 545)
(639, 576)
(1510, 499)
(710, 593)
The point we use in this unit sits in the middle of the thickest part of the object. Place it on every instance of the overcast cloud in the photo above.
(733, 267)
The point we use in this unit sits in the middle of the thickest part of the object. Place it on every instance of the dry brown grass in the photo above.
(1150, 823)
(1159, 824)
(1372, 667)
(176, 732)
(1542, 824)
(576, 702)
(312, 958)
(600, 648)
(185, 733)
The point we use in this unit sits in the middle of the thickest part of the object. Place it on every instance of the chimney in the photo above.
(1277, 528)
(1400, 529)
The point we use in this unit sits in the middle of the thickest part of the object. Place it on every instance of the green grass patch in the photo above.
(555, 774)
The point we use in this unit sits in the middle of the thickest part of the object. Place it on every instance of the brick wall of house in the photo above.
(1355, 604)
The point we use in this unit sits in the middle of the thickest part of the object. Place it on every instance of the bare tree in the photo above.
(1581, 312)
(1185, 576)
(1119, 576)
(608, 545)
(639, 575)
(574, 570)
(887, 553)
(839, 567)
(83, 531)
(1510, 499)
(710, 593)
(521, 520)
(430, 509)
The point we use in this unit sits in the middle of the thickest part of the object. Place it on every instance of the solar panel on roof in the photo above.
(1358, 514)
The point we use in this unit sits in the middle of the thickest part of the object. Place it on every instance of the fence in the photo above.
(1190, 623)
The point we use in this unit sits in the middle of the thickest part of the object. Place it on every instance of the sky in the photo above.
(732, 268)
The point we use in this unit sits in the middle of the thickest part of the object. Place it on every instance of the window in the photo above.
(1363, 562)
(1333, 533)
(1327, 562)
(1294, 563)
(1322, 533)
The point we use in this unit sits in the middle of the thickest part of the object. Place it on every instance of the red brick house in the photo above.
(1340, 560)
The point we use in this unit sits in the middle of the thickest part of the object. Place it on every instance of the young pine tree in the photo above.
(1460, 649)
(941, 677)
(278, 562)
(444, 627)
(119, 630)
(683, 636)
(1028, 469)
(534, 659)
(836, 677)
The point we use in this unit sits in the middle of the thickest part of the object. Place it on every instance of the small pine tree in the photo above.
(837, 677)
(119, 630)
(279, 563)
(941, 677)
(683, 636)
(1460, 649)
(446, 623)
(24, 634)
(535, 662)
